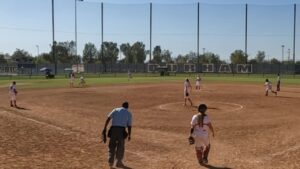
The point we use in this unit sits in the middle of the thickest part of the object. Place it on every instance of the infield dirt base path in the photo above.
(60, 128)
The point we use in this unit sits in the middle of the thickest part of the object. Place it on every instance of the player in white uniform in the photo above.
(72, 79)
(186, 91)
(129, 75)
(82, 81)
(268, 86)
(200, 125)
(198, 82)
(13, 94)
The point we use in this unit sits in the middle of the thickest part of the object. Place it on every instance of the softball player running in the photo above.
(268, 86)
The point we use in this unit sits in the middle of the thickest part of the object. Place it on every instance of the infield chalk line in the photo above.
(279, 153)
(239, 106)
(235, 104)
(41, 122)
(64, 130)
(161, 106)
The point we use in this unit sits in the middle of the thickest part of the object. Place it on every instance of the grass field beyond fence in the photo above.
(139, 78)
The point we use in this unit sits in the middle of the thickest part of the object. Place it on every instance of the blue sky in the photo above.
(26, 24)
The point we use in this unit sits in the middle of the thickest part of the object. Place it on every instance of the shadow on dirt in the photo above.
(214, 167)
(21, 108)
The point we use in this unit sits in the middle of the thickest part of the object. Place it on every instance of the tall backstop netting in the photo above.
(126, 37)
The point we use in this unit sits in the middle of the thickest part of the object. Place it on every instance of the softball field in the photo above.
(61, 127)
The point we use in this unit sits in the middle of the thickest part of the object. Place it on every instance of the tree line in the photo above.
(108, 53)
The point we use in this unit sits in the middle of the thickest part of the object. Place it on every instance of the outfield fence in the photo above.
(65, 69)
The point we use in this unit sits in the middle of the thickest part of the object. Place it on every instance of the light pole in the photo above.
(38, 49)
(76, 28)
(53, 40)
(282, 46)
(289, 54)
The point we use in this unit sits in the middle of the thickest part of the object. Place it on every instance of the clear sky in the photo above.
(27, 24)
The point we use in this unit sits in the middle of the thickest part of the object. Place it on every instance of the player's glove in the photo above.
(191, 140)
(103, 136)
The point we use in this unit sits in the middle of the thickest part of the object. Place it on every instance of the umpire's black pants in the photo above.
(116, 144)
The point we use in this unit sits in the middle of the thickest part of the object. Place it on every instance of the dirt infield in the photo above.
(60, 128)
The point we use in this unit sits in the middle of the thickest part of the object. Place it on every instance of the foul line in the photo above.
(286, 151)
(11, 112)
(40, 122)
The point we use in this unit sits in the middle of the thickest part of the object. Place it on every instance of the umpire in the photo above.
(121, 118)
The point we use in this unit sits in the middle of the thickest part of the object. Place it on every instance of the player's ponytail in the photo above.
(202, 109)
(200, 118)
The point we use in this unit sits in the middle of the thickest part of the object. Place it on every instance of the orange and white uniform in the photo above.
(200, 133)
(198, 82)
(12, 92)
(268, 86)
(186, 89)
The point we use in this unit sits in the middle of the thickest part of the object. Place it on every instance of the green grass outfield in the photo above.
(142, 78)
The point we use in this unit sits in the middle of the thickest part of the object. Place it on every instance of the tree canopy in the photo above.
(238, 57)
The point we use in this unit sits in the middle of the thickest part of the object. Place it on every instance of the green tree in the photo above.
(108, 53)
(126, 50)
(275, 61)
(21, 56)
(260, 56)
(238, 57)
(166, 56)
(64, 53)
(44, 58)
(2, 59)
(252, 61)
(210, 57)
(181, 59)
(157, 54)
(138, 52)
(89, 53)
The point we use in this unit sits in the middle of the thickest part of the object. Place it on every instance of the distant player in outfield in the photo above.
(278, 82)
(186, 91)
(82, 81)
(268, 86)
(13, 94)
(72, 79)
(198, 82)
(129, 75)
(200, 125)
